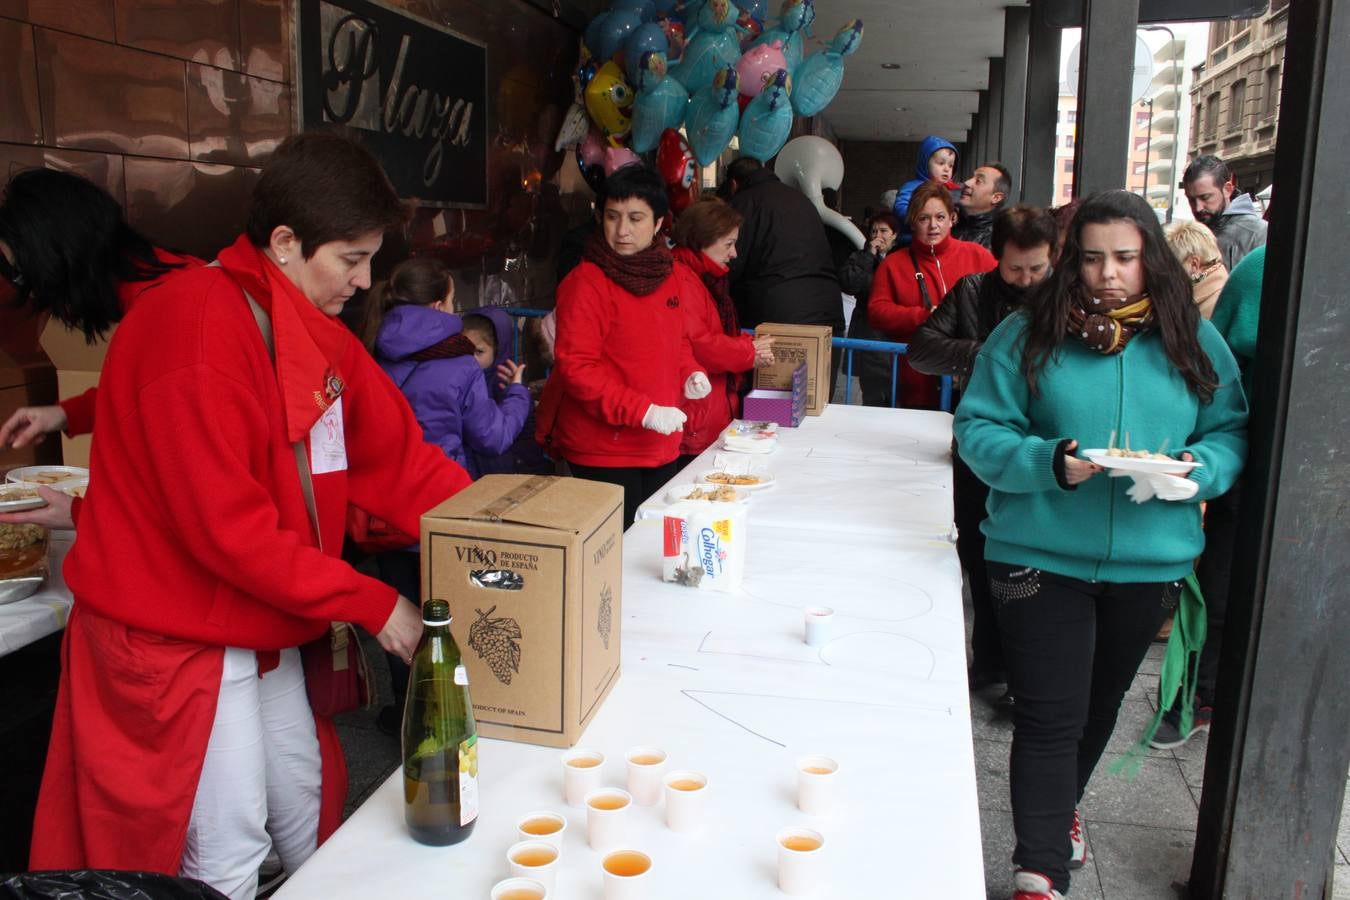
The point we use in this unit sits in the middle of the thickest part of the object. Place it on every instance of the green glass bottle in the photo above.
(440, 739)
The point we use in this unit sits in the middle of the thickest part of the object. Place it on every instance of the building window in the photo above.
(1141, 120)
(1068, 166)
(1212, 115)
(1140, 141)
(1219, 33)
(1068, 192)
(1270, 103)
(1068, 141)
(1072, 116)
(1237, 104)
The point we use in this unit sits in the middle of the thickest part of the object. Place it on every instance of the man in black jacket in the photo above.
(982, 196)
(1023, 239)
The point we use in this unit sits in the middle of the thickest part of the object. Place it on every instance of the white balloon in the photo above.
(811, 164)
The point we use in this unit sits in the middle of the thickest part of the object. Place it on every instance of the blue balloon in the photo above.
(757, 8)
(767, 121)
(648, 38)
(591, 36)
(617, 25)
(660, 104)
(713, 116)
(666, 7)
(646, 9)
(705, 54)
(820, 74)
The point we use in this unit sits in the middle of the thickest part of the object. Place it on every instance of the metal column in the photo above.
(1016, 40)
(1042, 115)
(1279, 748)
(995, 112)
(981, 127)
(1105, 70)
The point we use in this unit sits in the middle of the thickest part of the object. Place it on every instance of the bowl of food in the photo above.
(707, 493)
(23, 561)
(49, 476)
(19, 497)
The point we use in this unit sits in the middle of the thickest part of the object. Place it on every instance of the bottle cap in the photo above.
(436, 612)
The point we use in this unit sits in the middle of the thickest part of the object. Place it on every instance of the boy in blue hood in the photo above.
(937, 162)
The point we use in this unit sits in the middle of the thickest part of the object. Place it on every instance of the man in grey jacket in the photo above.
(1235, 222)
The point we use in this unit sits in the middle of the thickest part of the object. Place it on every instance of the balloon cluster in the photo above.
(648, 67)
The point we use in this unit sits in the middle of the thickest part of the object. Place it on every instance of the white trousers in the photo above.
(260, 781)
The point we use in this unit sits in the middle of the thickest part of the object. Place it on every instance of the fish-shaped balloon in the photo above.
(660, 104)
(713, 46)
(647, 38)
(789, 30)
(767, 121)
(713, 116)
(609, 99)
(820, 74)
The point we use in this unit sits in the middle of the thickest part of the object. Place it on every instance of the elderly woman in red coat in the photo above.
(183, 740)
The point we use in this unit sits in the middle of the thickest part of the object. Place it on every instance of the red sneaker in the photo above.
(1029, 885)
(1078, 848)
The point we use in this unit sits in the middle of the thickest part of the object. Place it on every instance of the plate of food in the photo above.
(1138, 461)
(751, 437)
(18, 497)
(51, 476)
(708, 493)
(748, 481)
(23, 561)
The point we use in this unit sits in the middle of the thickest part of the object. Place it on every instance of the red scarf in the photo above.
(714, 276)
(308, 344)
(455, 345)
(639, 274)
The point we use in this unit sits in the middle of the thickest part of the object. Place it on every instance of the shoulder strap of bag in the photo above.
(923, 283)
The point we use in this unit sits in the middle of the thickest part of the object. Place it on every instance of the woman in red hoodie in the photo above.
(237, 420)
(705, 240)
(910, 284)
(624, 362)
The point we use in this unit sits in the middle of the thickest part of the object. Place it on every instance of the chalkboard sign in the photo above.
(1069, 13)
(413, 93)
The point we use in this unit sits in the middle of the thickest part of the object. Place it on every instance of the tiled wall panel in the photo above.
(233, 118)
(263, 46)
(20, 120)
(204, 31)
(91, 18)
(187, 206)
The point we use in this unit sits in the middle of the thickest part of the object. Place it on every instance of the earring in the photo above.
(282, 260)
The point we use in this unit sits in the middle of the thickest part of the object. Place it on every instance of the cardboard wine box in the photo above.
(792, 346)
(532, 567)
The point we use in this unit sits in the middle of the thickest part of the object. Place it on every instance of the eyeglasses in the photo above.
(11, 273)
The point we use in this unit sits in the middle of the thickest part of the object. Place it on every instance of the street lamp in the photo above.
(1176, 116)
(1148, 145)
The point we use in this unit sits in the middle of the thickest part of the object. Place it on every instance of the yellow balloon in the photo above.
(609, 98)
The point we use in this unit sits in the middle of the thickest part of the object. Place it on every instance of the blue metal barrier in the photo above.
(849, 345)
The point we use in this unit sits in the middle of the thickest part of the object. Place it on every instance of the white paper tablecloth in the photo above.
(726, 685)
(45, 612)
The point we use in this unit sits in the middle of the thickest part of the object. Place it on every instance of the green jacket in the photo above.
(1095, 532)
(1239, 310)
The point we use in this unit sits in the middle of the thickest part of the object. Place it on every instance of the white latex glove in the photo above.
(1162, 486)
(663, 419)
(697, 386)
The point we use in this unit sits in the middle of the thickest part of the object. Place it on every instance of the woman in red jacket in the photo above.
(910, 284)
(183, 741)
(624, 363)
(705, 240)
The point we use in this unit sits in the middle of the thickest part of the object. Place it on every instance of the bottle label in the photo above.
(461, 675)
(468, 779)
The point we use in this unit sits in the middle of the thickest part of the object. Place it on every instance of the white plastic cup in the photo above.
(686, 796)
(582, 772)
(534, 859)
(607, 817)
(819, 625)
(646, 765)
(519, 889)
(532, 825)
(800, 860)
(817, 779)
(627, 875)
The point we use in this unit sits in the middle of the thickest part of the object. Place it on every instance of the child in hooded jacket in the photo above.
(937, 163)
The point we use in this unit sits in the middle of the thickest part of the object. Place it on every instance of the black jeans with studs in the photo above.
(1072, 649)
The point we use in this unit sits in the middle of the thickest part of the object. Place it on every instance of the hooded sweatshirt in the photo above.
(524, 455)
(930, 145)
(1240, 230)
(448, 396)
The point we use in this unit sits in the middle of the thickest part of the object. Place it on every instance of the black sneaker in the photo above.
(270, 876)
(979, 678)
(1169, 736)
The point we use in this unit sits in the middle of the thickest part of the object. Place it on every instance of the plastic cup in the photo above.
(686, 795)
(582, 772)
(627, 875)
(819, 624)
(519, 889)
(817, 777)
(800, 860)
(541, 825)
(534, 859)
(646, 765)
(607, 817)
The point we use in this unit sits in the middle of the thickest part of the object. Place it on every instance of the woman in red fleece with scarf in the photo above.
(624, 362)
(910, 283)
(183, 741)
(705, 237)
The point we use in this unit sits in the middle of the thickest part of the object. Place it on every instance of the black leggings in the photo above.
(1072, 649)
(638, 482)
(969, 497)
(402, 571)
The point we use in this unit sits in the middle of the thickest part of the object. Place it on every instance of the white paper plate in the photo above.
(1136, 464)
(17, 505)
(48, 475)
(745, 445)
(679, 494)
(765, 479)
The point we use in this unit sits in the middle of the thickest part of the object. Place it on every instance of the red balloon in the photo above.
(679, 170)
(743, 100)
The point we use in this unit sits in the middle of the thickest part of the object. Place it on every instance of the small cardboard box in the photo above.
(532, 567)
(78, 363)
(792, 346)
(787, 408)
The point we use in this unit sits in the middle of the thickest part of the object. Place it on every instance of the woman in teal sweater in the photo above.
(1084, 567)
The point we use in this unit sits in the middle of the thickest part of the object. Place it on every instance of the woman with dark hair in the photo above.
(855, 278)
(1083, 569)
(238, 419)
(705, 241)
(67, 251)
(624, 362)
(910, 285)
